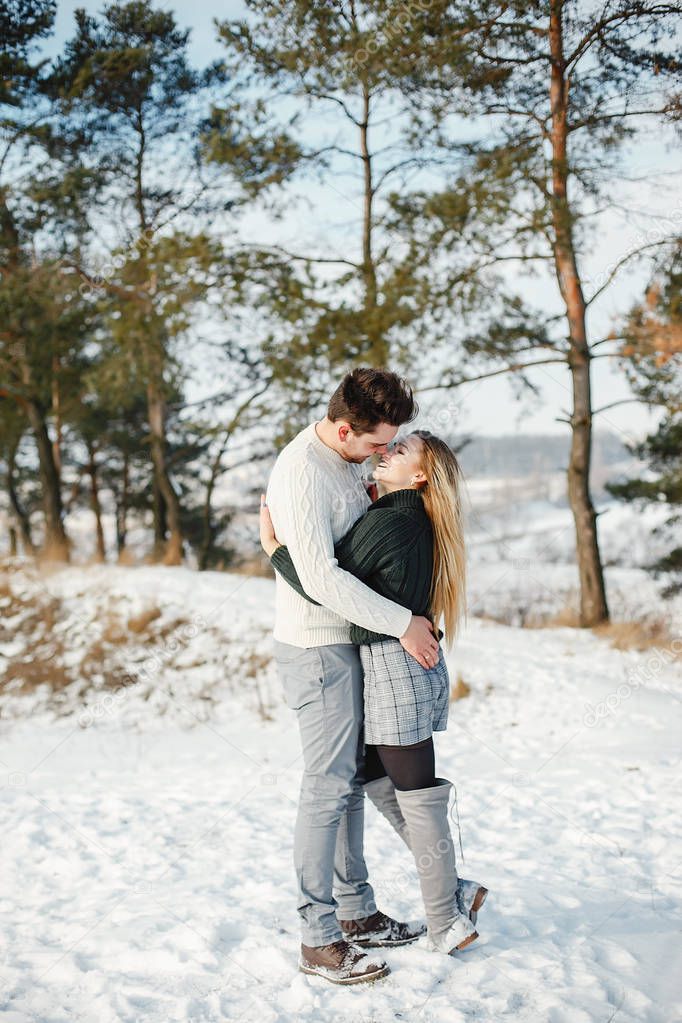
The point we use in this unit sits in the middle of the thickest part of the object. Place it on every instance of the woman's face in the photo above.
(401, 467)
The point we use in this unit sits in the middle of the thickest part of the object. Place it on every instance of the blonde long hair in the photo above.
(442, 494)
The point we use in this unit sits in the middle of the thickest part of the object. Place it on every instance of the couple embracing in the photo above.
(361, 588)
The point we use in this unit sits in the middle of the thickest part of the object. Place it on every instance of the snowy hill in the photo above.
(150, 792)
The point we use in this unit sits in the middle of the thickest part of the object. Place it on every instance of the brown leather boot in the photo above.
(381, 931)
(341, 963)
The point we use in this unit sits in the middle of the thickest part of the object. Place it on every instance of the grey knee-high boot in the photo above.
(381, 791)
(426, 814)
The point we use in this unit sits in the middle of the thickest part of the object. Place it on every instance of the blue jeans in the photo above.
(324, 686)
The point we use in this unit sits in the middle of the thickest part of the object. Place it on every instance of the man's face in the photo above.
(357, 447)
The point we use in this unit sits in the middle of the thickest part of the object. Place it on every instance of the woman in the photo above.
(409, 547)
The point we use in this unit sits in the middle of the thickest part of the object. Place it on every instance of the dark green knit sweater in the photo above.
(390, 548)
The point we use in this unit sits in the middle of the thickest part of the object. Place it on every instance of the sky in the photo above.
(653, 208)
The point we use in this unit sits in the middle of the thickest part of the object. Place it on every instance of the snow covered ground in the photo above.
(147, 838)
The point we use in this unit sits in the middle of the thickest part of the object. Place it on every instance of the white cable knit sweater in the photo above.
(314, 496)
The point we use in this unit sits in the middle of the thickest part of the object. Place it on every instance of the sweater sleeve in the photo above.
(378, 538)
(304, 506)
(280, 559)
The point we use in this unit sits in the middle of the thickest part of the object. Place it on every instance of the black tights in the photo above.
(408, 767)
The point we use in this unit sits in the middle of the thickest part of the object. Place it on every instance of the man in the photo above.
(314, 495)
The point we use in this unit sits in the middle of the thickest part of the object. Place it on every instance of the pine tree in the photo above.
(21, 494)
(373, 300)
(652, 359)
(557, 88)
(125, 82)
(43, 190)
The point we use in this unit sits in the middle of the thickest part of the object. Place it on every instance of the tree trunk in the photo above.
(207, 530)
(56, 546)
(593, 606)
(100, 552)
(167, 504)
(57, 416)
(159, 512)
(377, 354)
(18, 513)
(122, 508)
(173, 552)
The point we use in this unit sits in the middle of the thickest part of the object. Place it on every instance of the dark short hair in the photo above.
(366, 397)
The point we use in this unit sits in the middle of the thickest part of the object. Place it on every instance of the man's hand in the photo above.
(420, 642)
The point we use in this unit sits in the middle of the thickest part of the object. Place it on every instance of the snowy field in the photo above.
(147, 838)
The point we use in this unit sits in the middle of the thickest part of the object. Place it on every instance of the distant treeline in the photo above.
(528, 453)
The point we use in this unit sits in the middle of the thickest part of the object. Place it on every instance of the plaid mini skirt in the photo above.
(404, 703)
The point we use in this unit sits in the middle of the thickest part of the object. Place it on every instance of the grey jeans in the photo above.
(324, 685)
